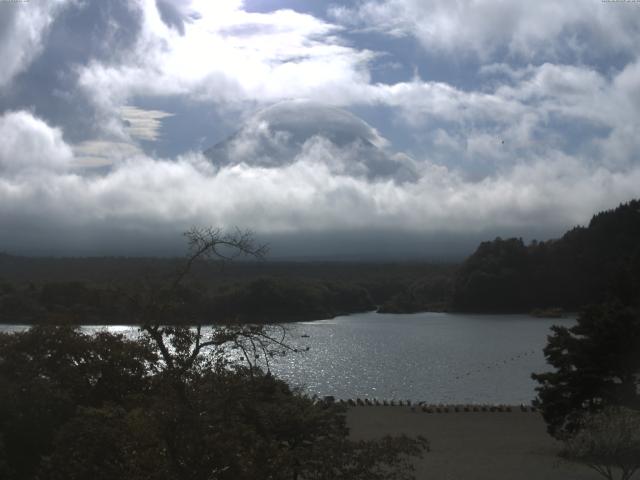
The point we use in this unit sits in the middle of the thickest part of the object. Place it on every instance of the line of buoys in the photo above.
(495, 364)
(432, 408)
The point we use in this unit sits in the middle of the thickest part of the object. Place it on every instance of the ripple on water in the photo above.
(433, 357)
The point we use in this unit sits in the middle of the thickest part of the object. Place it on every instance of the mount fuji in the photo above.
(301, 130)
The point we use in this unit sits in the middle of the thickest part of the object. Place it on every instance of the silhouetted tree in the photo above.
(597, 363)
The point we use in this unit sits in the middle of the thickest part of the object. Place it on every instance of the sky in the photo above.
(374, 128)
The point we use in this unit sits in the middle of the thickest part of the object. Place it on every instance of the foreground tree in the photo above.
(597, 363)
(47, 375)
(608, 442)
(177, 402)
(76, 407)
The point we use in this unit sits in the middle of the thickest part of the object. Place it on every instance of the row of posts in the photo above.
(430, 408)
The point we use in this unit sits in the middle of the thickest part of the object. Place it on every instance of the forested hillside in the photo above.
(110, 290)
(587, 265)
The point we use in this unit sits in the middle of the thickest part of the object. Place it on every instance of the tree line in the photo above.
(587, 265)
(103, 290)
(261, 300)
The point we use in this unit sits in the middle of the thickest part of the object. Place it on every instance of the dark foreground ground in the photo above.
(473, 446)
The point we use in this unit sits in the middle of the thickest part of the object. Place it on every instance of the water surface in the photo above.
(432, 357)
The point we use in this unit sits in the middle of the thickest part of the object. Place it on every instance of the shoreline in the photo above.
(95, 323)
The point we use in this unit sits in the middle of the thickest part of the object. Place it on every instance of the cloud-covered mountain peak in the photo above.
(305, 131)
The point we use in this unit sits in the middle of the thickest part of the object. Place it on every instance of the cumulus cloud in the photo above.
(30, 145)
(150, 195)
(22, 28)
(528, 30)
(102, 153)
(548, 109)
(547, 136)
(225, 54)
(218, 53)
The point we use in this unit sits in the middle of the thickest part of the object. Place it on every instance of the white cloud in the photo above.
(537, 142)
(22, 28)
(529, 116)
(543, 29)
(149, 195)
(419, 99)
(308, 196)
(216, 52)
(30, 145)
(226, 54)
(101, 153)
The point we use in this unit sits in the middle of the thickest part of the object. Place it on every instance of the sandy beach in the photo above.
(473, 445)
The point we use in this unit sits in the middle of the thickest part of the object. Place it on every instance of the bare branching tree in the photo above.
(191, 351)
(182, 344)
(213, 243)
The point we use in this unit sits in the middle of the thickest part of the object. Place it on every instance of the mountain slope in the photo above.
(303, 131)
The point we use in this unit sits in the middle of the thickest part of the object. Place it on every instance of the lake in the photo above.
(432, 357)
